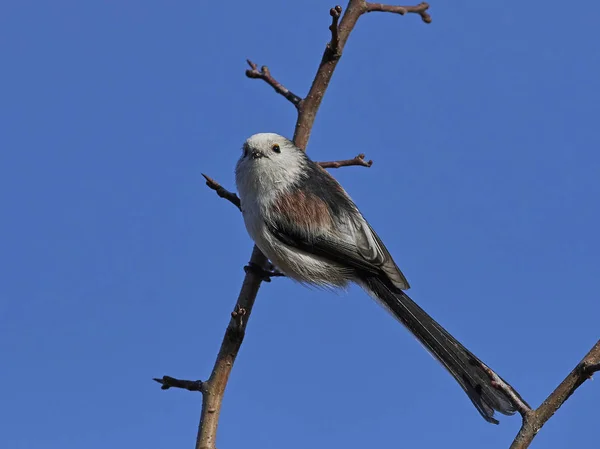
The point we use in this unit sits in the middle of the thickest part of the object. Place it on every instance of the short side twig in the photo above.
(357, 160)
(170, 382)
(265, 75)
(334, 45)
(420, 9)
(534, 420)
(223, 192)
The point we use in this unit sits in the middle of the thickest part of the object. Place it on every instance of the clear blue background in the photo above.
(117, 264)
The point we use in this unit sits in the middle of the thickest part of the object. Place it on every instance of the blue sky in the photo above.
(119, 265)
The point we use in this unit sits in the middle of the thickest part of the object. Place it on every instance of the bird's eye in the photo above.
(276, 148)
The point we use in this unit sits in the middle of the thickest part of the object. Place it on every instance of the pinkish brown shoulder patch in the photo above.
(304, 210)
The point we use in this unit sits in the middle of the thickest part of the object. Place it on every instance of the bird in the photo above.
(309, 228)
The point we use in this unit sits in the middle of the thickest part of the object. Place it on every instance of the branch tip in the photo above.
(265, 75)
(358, 160)
(167, 382)
(334, 45)
(223, 192)
(420, 9)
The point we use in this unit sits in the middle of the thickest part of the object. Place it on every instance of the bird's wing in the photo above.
(371, 247)
(355, 245)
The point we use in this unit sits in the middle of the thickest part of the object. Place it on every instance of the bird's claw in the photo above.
(263, 274)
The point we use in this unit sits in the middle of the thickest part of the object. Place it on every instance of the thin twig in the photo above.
(420, 9)
(307, 110)
(265, 75)
(534, 420)
(171, 382)
(223, 192)
(357, 160)
(334, 44)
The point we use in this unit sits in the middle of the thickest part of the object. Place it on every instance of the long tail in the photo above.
(458, 360)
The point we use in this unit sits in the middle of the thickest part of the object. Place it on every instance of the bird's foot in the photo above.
(264, 274)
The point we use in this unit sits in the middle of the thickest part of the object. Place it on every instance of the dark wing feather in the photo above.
(355, 245)
(343, 253)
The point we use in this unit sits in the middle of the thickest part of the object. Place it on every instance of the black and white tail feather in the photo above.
(464, 366)
(310, 229)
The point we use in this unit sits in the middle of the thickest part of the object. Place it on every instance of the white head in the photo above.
(269, 164)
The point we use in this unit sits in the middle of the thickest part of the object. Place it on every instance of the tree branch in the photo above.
(265, 75)
(334, 44)
(222, 192)
(307, 110)
(214, 388)
(420, 9)
(170, 382)
(357, 160)
(533, 420)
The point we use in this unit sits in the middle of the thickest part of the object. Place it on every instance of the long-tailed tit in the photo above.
(310, 229)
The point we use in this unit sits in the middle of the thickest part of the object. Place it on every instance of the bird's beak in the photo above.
(256, 154)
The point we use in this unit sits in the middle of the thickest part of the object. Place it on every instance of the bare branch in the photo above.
(222, 192)
(534, 420)
(357, 160)
(170, 382)
(265, 75)
(334, 44)
(420, 9)
(230, 346)
(307, 109)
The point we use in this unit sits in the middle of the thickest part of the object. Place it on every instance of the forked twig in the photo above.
(222, 192)
(535, 419)
(265, 75)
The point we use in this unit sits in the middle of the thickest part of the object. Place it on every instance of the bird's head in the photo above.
(269, 163)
